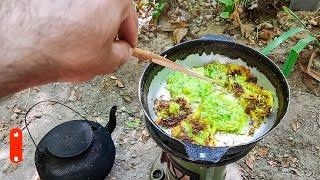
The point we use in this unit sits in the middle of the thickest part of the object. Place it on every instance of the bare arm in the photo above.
(48, 41)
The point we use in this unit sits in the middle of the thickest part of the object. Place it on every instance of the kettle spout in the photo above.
(112, 120)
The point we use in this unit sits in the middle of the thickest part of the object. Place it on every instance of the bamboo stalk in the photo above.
(162, 61)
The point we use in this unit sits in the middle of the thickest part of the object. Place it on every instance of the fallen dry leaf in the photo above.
(263, 151)
(266, 35)
(247, 30)
(295, 126)
(266, 25)
(288, 161)
(119, 84)
(179, 34)
(179, 24)
(311, 72)
(144, 136)
(250, 161)
(127, 98)
(273, 163)
(235, 18)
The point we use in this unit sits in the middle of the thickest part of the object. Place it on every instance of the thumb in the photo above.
(121, 52)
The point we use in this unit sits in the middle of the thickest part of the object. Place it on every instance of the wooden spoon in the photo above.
(162, 61)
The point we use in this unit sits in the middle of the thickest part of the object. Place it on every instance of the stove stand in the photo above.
(167, 167)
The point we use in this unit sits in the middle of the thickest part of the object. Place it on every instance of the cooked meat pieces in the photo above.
(197, 126)
(171, 113)
(237, 89)
(172, 121)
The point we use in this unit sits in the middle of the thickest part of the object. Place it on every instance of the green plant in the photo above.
(157, 5)
(132, 124)
(295, 51)
(158, 8)
(229, 7)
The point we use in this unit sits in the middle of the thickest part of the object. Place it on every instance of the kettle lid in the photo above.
(69, 138)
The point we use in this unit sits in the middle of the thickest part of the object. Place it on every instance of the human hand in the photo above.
(83, 42)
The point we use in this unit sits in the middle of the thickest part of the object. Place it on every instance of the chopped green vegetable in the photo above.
(174, 108)
(223, 112)
(190, 88)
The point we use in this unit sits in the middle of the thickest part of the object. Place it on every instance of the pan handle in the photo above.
(203, 153)
(216, 37)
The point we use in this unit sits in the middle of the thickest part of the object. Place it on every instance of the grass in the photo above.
(297, 48)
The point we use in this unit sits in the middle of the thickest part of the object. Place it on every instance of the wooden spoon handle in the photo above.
(162, 61)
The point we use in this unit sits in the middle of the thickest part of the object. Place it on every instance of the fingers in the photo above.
(128, 29)
(108, 62)
(120, 53)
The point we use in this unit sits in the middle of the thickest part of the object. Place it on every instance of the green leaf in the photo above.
(158, 9)
(294, 54)
(288, 11)
(133, 123)
(229, 9)
(276, 42)
(225, 15)
(227, 2)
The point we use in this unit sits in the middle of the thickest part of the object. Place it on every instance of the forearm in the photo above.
(17, 75)
(21, 64)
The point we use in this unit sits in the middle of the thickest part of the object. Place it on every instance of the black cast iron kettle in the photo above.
(76, 150)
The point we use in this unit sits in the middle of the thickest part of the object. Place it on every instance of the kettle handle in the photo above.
(29, 110)
(112, 120)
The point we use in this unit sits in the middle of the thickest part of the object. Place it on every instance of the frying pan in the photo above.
(213, 156)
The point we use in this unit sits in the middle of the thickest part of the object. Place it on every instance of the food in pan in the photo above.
(197, 110)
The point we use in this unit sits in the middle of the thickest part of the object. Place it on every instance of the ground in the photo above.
(291, 151)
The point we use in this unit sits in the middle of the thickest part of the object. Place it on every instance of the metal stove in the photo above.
(168, 167)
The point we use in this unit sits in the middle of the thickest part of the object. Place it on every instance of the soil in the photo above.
(291, 151)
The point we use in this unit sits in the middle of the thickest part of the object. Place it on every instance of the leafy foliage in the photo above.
(229, 6)
(295, 51)
(132, 124)
(294, 54)
(281, 39)
(159, 7)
